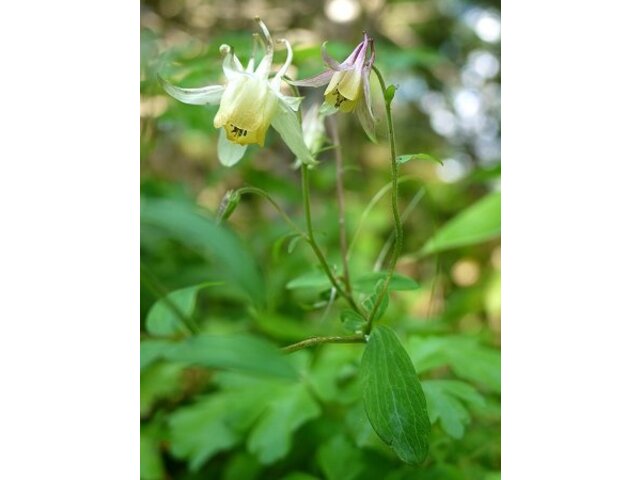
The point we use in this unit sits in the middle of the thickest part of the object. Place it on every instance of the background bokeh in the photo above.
(203, 422)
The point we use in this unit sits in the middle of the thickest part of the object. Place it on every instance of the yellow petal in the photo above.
(336, 100)
(351, 84)
(246, 112)
(333, 83)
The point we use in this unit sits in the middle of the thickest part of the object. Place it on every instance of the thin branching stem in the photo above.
(310, 342)
(397, 246)
(314, 245)
(268, 198)
(335, 138)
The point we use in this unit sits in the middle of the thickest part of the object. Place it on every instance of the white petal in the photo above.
(286, 124)
(366, 120)
(229, 153)
(363, 109)
(293, 102)
(265, 65)
(327, 109)
(287, 62)
(317, 81)
(231, 66)
(210, 95)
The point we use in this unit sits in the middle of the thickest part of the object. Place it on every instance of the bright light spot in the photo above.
(484, 63)
(487, 150)
(432, 101)
(443, 122)
(465, 272)
(495, 258)
(489, 128)
(342, 11)
(467, 103)
(470, 77)
(452, 170)
(153, 106)
(413, 88)
(487, 27)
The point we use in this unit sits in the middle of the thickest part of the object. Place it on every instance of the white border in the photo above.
(69, 243)
(571, 240)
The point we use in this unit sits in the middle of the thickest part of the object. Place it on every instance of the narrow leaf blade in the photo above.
(242, 353)
(478, 223)
(417, 156)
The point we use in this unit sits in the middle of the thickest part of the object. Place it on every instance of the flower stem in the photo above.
(310, 342)
(314, 245)
(267, 197)
(335, 138)
(397, 246)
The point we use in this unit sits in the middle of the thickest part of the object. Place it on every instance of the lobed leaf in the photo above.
(466, 356)
(163, 320)
(445, 404)
(288, 409)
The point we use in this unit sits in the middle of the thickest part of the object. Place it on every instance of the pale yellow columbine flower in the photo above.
(249, 103)
(348, 88)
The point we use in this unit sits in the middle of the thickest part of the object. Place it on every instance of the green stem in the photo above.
(310, 342)
(267, 197)
(397, 246)
(335, 137)
(314, 245)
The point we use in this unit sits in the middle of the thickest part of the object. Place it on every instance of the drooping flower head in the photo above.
(348, 88)
(249, 102)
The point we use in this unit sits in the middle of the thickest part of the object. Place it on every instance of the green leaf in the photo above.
(389, 93)
(465, 355)
(281, 327)
(163, 320)
(160, 380)
(242, 466)
(299, 476)
(334, 374)
(313, 279)
(369, 281)
(339, 459)
(417, 156)
(289, 409)
(278, 244)
(215, 423)
(352, 321)
(478, 223)
(293, 243)
(183, 222)
(242, 353)
(393, 398)
(445, 405)
(370, 301)
(152, 350)
(151, 467)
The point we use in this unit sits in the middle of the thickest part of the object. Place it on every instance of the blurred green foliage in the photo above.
(218, 400)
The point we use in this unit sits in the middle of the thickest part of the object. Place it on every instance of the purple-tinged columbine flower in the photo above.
(249, 103)
(348, 88)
